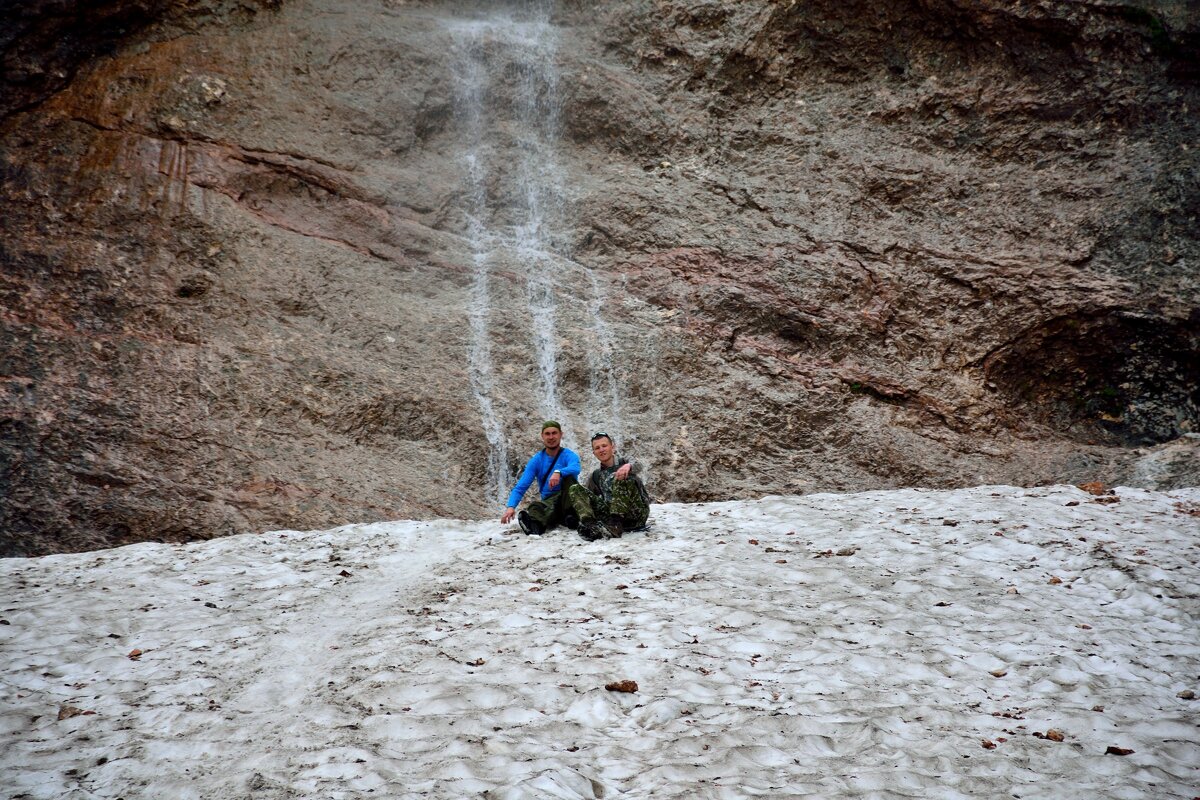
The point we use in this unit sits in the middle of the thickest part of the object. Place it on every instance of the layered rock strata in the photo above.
(826, 246)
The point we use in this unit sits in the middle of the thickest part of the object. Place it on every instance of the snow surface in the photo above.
(830, 646)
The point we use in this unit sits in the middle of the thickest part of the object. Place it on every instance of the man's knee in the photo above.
(626, 491)
(580, 500)
(629, 503)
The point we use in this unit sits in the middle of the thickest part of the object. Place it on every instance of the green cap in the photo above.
(551, 424)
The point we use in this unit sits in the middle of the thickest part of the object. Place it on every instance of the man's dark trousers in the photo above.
(551, 510)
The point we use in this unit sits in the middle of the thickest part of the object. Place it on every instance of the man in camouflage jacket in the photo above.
(614, 499)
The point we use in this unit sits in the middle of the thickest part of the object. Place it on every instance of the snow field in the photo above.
(859, 646)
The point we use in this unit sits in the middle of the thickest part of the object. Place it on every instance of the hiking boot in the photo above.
(529, 524)
(594, 529)
(571, 521)
(591, 529)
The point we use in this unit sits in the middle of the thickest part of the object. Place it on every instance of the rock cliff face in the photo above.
(291, 265)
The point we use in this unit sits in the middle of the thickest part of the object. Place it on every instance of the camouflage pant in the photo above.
(626, 504)
(550, 510)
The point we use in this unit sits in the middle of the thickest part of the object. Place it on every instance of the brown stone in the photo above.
(626, 686)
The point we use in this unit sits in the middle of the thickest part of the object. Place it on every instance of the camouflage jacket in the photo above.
(601, 480)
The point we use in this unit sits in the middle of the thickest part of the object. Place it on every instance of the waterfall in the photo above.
(469, 87)
(514, 199)
(600, 362)
(540, 197)
(479, 363)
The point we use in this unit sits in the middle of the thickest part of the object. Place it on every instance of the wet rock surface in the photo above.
(835, 246)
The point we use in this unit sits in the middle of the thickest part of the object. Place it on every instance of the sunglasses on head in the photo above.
(601, 435)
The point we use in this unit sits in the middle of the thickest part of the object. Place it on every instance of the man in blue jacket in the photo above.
(556, 468)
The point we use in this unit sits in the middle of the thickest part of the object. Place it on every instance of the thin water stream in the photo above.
(508, 106)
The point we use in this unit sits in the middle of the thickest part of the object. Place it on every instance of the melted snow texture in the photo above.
(457, 659)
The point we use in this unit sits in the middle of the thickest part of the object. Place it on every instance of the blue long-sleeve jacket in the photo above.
(539, 467)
